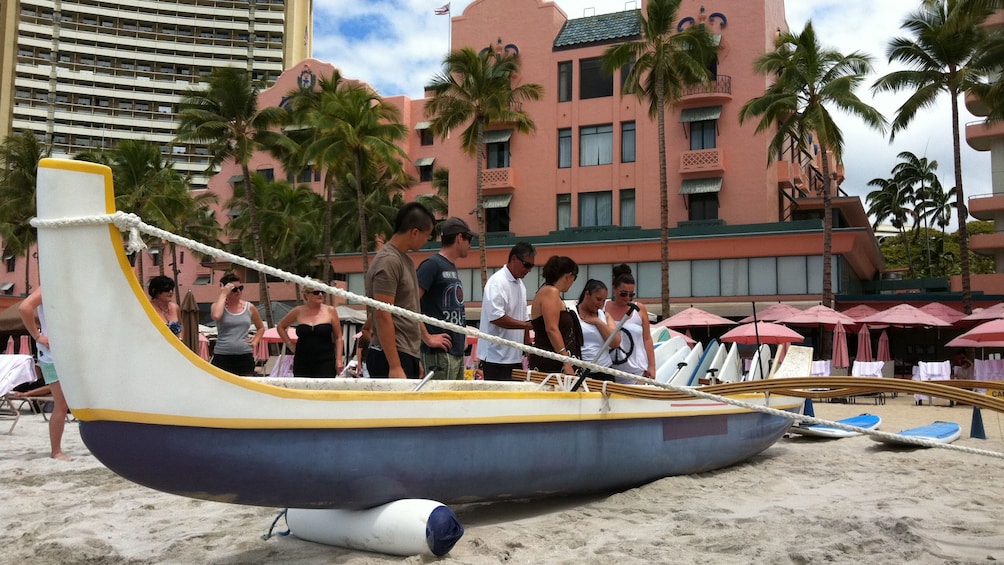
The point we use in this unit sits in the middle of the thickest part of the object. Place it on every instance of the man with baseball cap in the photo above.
(442, 297)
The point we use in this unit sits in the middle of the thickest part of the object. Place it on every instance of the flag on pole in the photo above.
(443, 10)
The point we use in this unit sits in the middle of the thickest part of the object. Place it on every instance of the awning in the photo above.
(236, 178)
(498, 200)
(700, 114)
(498, 136)
(6, 286)
(701, 186)
(423, 125)
(425, 161)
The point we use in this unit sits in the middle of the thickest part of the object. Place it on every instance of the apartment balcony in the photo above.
(498, 180)
(790, 175)
(986, 243)
(702, 161)
(975, 105)
(718, 90)
(987, 207)
(981, 135)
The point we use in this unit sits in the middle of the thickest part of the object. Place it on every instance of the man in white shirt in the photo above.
(503, 314)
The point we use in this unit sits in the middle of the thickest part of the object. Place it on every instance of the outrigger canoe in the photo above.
(157, 414)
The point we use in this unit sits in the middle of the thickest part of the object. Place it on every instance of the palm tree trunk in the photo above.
(660, 104)
(960, 205)
(27, 271)
(827, 230)
(174, 269)
(480, 208)
(364, 243)
(328, 201)
(259, 249)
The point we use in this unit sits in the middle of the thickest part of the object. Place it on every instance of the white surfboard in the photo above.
(664, 350)
(682, 376)
(762, 356)
(660, 334)
(701, 372)
(666, 370)
(731, 370)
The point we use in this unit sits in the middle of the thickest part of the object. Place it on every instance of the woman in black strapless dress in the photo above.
(317, 352)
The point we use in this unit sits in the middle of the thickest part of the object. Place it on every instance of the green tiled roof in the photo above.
(594, 29)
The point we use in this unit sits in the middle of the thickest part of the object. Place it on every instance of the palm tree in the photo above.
(662, 64)
(892, 200)
(19, 156)
(383, 198)
(476, 90)
(225, 116)
(355, 128)
(808, 79)
(921, 174)
(947, 52)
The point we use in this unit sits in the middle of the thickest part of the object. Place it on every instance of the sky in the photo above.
(397, 46)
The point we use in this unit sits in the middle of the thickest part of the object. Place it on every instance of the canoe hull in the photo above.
(361, 468)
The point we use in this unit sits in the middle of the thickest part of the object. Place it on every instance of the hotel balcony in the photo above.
(975, 105)
(987, 243)
(702, 161)
(987, 207)
(790, 175)
(980, 135)
(495, 180)
(718, 90)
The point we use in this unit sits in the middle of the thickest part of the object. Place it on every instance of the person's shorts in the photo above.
(447, 366)
(48, 372)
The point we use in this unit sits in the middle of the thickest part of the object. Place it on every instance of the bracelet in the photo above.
(562, 351)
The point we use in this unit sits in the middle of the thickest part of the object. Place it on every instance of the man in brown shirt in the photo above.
(394, 348)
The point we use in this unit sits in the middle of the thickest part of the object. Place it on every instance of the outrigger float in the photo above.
(157, 414)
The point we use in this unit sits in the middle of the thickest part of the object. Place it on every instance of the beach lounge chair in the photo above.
(871, 369)
(931, 371)
(14, 370)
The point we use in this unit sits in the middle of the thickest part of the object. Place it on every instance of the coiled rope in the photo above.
(134, 225)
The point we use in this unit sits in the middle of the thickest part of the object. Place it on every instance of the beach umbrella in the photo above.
(994, 312)
(986, 332)
(190, 321)
(10, 346)
(965, 342)
(762, 332)
(883, 348)
(203, 346)
(24, 347)
(818, 316)
(694, 318)
(840, 357)
(943, 312)
(859, 311)
(904, 315)
(772, 313)
(271, 335)
(864, 345)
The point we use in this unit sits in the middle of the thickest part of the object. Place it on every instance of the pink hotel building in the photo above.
(585, 182)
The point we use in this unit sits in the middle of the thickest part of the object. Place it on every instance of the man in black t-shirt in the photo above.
(442, 297)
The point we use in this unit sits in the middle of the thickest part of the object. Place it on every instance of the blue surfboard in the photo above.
(866, 421)
(940, 432)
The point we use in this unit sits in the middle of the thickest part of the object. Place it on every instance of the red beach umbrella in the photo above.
(762, 332)
(987, 332)
(864, 344)
(840, 357)
(883, 348)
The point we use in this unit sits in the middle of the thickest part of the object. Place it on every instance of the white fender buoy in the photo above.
(403, 527)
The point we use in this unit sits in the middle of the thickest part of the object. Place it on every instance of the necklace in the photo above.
(164, 311)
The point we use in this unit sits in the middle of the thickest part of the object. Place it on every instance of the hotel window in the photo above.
(564, 148)
(497, 212)
(596, 209)
(594, 82)
(702, 134)
(497, 148)
(425, 173)
(627, 142)
(596, 145)
(11, 261)
(564, 81)
(155, 256)
(703, 206)
(627, 207)
(564, 211)
(7, 288)
(425, 136)
(267, 174)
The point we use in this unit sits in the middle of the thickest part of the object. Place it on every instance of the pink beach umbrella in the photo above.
(772, 313)
(203, 346)
(986, 332)
(994, 312)
(946, 313)
(840, 357)
(10, 346)
(905, 315)
(883, 348)
(694, 318)
(859, 311)
(762, 332)
(24, 347)
(818, 316)
(864, 344)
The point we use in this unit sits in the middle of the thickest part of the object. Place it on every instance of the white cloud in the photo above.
(404, 43)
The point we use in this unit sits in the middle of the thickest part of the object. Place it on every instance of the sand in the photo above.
(801, 501)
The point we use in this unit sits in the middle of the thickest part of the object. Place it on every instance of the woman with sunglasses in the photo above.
(556, 328)
(317, 352)
(636, 353)
(234, 316)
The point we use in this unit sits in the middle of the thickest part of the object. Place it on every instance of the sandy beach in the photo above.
(801, 501)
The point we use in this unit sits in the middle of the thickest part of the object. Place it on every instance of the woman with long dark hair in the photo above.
(556, 328)
(597, 327)
(636, 354)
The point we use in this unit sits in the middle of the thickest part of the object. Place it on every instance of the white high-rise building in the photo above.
(85, 74)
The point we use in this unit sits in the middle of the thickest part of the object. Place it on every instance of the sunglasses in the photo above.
(238, 288)
(316, 292)
(527, 264)
(626, 294)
